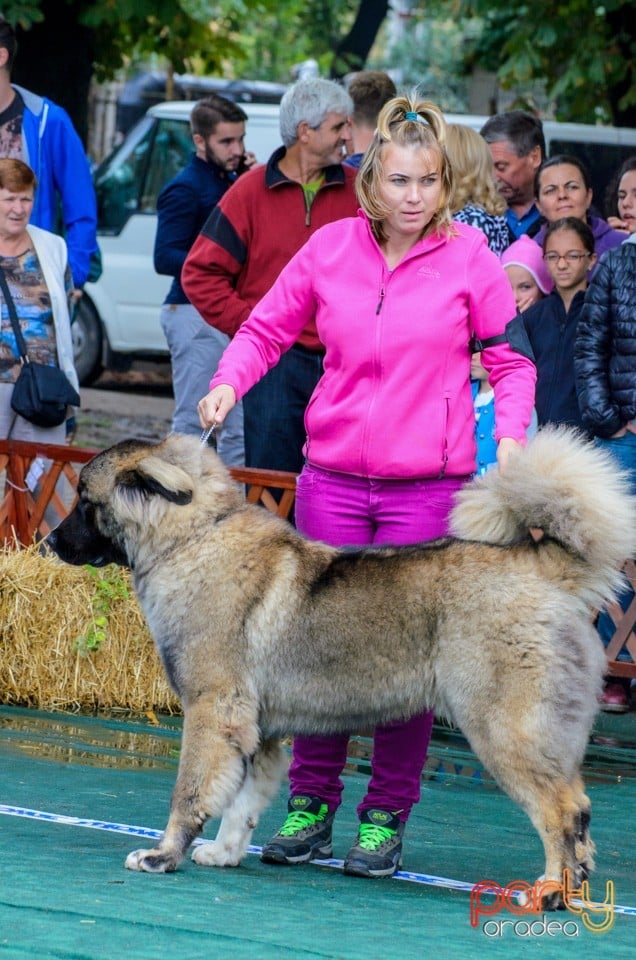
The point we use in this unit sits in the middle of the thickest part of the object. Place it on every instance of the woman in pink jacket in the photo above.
(397, 294)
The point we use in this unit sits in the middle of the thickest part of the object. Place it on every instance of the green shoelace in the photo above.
(299, 820)
(373, 836)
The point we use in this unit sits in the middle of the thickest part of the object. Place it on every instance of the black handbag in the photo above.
(41, 393)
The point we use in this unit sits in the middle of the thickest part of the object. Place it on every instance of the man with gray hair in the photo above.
(252, 233)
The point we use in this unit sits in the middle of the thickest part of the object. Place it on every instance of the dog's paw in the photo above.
(150, 861)
(215, 854)
(552, 901)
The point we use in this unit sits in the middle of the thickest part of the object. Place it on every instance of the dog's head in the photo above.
(127, 491)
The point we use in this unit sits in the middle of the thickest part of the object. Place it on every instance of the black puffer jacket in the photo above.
(605, 344)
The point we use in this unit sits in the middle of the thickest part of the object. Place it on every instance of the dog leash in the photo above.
(207, 433)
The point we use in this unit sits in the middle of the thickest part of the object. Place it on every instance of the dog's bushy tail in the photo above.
(570, 489)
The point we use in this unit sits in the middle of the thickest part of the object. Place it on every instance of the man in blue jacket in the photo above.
(39, 132)
(183, 206)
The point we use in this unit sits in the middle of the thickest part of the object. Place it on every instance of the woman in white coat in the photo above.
(35, 266)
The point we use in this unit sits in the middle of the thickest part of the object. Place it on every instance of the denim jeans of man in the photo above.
(623, 449)
(195, 351)
(275, 411)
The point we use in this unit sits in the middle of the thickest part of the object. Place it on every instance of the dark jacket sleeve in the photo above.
(592, 346)
(176, 227)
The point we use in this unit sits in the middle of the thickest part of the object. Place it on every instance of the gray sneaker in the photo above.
(377, 851)
(305, 835)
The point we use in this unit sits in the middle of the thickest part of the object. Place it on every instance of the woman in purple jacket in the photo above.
(563, 188)
(397, 293)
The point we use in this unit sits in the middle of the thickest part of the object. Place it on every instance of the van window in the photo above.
(130, 180)
(171, 150)
(603, 160)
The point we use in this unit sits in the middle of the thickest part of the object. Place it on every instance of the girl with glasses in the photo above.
(568, 253)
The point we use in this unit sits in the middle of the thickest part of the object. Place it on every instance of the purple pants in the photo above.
(343, 510)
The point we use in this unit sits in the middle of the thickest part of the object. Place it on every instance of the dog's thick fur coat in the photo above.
(264, 633)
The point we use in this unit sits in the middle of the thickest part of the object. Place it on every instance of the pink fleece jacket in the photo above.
(395, 399)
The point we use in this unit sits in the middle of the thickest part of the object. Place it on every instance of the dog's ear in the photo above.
(157, 477)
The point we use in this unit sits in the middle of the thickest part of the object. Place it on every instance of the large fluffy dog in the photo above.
(264, 633)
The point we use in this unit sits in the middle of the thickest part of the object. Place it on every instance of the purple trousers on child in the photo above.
(343, 510)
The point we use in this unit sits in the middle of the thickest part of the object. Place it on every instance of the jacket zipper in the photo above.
(445, 436)
(364, 448)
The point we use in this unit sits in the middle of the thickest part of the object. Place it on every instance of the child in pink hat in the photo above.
(527, 273)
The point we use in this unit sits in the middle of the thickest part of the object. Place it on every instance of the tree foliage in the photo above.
(292, 31)
(430, 57)
(206, 35)
(179, 30)
(585, 52)
(354, 48)
(64, 43)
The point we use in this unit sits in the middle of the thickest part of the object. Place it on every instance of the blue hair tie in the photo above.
(411, 115)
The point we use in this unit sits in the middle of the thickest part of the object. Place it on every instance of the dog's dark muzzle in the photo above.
(76, 543)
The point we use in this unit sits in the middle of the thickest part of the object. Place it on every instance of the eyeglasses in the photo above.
(572, 256)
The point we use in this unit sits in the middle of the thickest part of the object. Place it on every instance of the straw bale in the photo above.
(46, 608)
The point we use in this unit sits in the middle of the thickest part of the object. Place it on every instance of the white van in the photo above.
(117, 320)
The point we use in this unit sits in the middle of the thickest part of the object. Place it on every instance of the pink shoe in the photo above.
(614, 699)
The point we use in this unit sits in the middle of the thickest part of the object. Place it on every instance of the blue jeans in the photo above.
(274, 411)
(195, 351)
(623, 449)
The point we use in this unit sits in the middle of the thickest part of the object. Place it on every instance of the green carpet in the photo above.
(65, 892)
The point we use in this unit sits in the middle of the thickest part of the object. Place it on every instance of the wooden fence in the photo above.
(40, 490)
(40, 487)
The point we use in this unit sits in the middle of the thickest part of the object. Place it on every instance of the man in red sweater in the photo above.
(252, 233)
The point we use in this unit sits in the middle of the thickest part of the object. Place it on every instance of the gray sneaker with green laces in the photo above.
(305, 835)
(377, 851)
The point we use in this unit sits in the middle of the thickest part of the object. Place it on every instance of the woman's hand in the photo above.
(216, 405)
(505, 448)
(616, 223)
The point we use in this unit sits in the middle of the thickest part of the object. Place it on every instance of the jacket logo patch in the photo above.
(426, 271)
